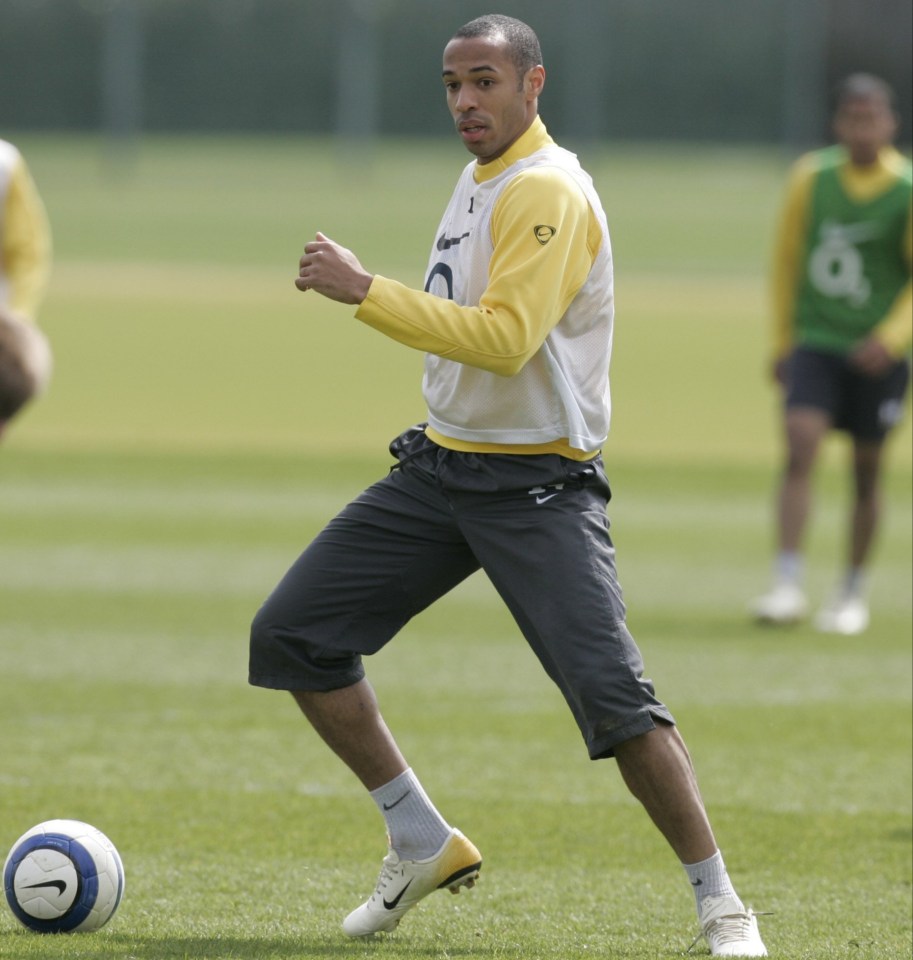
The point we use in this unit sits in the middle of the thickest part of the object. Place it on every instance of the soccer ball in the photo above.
(63, 876)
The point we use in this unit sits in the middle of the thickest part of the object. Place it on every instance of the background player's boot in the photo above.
(844, 613)
(785, 603)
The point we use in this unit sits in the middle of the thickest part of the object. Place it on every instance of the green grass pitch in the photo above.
(206, 419)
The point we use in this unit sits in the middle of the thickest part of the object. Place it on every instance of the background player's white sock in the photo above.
(417, 831)
(788, 566)
(854, 582)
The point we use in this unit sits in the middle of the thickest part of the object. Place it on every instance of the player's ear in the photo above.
(534, 81)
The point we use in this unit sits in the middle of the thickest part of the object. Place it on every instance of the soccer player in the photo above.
(25, 253)
(843, 328)
(515, 320)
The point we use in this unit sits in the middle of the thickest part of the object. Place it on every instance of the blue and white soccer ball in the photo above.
(63, 876)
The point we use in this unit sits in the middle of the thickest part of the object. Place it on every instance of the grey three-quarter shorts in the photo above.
(538, 527)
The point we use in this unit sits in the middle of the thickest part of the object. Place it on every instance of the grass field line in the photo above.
(117, 499)
(187, 282)
(126, 570)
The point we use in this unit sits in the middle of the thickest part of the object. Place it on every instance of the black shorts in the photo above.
(537, 525)
(863, 406)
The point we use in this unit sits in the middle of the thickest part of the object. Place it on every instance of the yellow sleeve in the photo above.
(788, 254)
(896, 330)
(529, 288)
(26, 243)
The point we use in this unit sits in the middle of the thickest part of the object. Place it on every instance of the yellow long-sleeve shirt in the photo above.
(25, 238)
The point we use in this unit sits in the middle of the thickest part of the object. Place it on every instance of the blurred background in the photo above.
(731, 70)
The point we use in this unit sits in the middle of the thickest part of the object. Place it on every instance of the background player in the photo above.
(843, 326)
(25, 256)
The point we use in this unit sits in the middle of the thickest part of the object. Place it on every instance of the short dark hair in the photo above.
(521, 39)
(864, 86)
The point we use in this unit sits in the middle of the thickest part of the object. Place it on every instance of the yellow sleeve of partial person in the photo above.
(788, 254)
(26, 243)
(896, 330)
(526, 295)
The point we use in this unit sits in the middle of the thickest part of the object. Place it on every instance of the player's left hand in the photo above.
(332, 271)
(871, 357)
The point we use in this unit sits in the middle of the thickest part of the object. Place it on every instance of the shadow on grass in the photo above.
(265, 948)
(235, 948)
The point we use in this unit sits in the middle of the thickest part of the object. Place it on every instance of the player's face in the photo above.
(864, 125)
(490, 103)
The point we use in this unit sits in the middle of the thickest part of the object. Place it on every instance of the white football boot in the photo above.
(783, 605)
(402, 883)
(847, 614)
(730, 929)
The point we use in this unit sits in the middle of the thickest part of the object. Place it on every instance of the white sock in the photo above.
(788, 566)
(416, 829)
(709, 879)
(854, 582)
